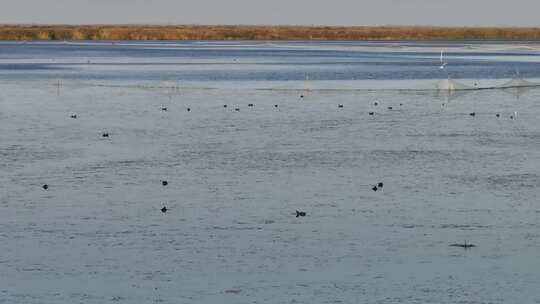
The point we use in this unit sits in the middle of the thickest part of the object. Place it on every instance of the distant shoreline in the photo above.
(254, 32)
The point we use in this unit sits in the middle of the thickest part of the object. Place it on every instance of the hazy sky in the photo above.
(329, 12)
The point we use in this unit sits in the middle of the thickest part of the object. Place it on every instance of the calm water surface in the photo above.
(236, 178)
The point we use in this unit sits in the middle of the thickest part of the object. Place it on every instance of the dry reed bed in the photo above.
(244, 32)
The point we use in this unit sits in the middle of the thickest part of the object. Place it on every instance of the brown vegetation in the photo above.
(245, 32)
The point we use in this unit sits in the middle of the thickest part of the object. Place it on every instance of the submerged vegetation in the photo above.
(245, 32)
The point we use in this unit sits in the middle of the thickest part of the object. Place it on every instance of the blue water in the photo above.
(267, 61)
(236, 178)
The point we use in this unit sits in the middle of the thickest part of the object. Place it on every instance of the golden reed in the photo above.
(247, 32)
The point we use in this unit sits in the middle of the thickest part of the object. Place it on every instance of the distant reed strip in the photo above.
(245, 32)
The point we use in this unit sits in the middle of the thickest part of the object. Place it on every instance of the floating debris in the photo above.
(300, 213)
(464, 245)
(233, 291)
(498, 115)
(375, 103)
(301, 96)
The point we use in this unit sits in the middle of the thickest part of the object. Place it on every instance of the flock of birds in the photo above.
(377, 187)
(498, 115)
(164, 183)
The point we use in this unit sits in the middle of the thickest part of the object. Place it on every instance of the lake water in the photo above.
(236, 178)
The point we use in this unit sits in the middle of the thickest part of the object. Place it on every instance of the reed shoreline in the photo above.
(253, 32)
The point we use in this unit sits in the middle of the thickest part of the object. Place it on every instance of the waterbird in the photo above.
(374, 188)
(443, 64)
(105, 135)
(237, 109)
(301, 96)
(375, 103)
(275, 106)
(400, 104)
(45, 187)
(380, 184)
(188, 109)
(224, 105)
(340, 106)
(498, 115)
(164, 209)
(371, 113)
(300, 213)
(250, 105)
(74, 116)
(473, 114)
(389, 108)
(164, 109)
(164, 183)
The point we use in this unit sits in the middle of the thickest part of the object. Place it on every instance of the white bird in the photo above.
(443, 64)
